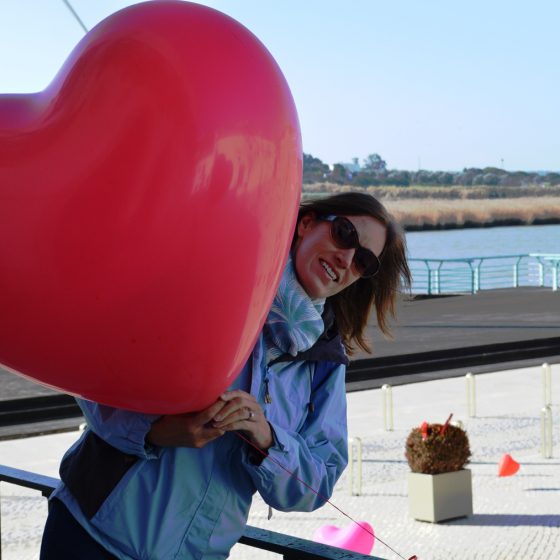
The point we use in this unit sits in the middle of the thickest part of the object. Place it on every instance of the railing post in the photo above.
(471, 395)
(554, 270)
(358, 443)
(541, 274)
(387, 394)
(429, 281)
(546, 432)
(477, 278)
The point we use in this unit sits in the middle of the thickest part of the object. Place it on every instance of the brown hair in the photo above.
(353, 306)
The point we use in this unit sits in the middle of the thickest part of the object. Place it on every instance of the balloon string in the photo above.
(264, 454)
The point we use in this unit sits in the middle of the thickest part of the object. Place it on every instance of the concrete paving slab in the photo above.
(514, 518)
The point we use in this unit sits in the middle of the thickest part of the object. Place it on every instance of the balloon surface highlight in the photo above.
(353, 537)
(507, 466)
(147, 201)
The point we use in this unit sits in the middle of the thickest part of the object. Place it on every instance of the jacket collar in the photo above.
(328, 347)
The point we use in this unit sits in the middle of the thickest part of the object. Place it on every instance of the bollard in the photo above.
(546, 432)
(547, 385)
(358, 443)
(387, 392)
(471, 395)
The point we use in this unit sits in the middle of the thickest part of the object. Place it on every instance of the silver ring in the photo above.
(251, 415)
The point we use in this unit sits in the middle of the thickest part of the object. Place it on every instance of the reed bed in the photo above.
(457, 207)
(441, 213)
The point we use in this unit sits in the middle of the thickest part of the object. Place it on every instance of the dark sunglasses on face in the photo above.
(345, 236)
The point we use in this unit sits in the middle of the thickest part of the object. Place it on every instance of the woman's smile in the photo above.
(329, 270)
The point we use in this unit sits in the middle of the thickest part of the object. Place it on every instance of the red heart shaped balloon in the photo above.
(507, 466)
(147, 202)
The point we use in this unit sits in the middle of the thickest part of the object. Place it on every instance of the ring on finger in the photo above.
(251, 415)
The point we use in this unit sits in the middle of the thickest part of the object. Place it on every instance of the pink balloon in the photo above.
(147, 202)
(507, 466)
(358, 537)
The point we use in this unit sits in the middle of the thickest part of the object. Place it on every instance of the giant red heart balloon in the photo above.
(147, 202)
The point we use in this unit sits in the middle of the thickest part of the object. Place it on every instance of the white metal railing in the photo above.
(546, 262)
(469, 275)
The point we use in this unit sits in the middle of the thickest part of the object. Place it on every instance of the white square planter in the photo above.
(437, 497)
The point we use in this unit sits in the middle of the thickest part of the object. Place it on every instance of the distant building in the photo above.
(352, 168)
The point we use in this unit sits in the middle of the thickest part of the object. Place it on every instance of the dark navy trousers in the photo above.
(65, 539)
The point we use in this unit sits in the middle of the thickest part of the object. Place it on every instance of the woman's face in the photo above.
(322, 268)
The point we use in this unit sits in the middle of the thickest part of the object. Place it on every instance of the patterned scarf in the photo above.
(294, 322)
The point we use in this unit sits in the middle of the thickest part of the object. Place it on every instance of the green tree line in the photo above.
(374, 172)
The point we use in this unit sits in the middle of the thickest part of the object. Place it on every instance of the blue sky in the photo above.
(425, 83)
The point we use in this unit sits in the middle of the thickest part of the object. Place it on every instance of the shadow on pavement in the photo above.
(509, 520)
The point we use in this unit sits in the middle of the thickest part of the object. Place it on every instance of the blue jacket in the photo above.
(167, 503)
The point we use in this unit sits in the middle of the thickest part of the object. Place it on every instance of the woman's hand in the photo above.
(242, 412)
(193, 429)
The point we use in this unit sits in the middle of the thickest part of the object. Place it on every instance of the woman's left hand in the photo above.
(243, 412)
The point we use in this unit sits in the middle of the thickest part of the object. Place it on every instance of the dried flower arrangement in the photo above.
(437, 448)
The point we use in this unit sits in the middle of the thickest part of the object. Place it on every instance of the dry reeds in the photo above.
(412, 213)
(451, 207)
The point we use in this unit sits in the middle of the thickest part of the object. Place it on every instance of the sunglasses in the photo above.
(345, 236)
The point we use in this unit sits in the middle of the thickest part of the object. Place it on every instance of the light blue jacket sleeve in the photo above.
(123, 429)
(317, 454)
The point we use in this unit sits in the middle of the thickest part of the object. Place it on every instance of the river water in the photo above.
(462, 243)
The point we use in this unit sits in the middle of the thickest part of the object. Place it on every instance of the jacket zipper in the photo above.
(267, 397)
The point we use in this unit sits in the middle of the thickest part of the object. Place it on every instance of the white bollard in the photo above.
(471, 395)
(546, 432)
(547, 385)
(351, 442)
(387, 393)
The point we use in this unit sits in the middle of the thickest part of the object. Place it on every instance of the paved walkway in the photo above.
(514, 518)
(458, 321)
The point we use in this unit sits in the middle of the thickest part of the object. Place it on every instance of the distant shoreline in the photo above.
(480, 225)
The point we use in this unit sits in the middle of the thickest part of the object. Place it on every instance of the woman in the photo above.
(180, 486)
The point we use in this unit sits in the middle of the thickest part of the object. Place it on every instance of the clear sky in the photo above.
(436, 84)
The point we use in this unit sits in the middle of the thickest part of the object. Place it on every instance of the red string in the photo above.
(264, 454)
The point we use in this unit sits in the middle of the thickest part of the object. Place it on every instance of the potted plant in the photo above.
(439, 487)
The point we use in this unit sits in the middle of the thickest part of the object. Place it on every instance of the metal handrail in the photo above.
(553, 262)
(471, 274)
(291, 548)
